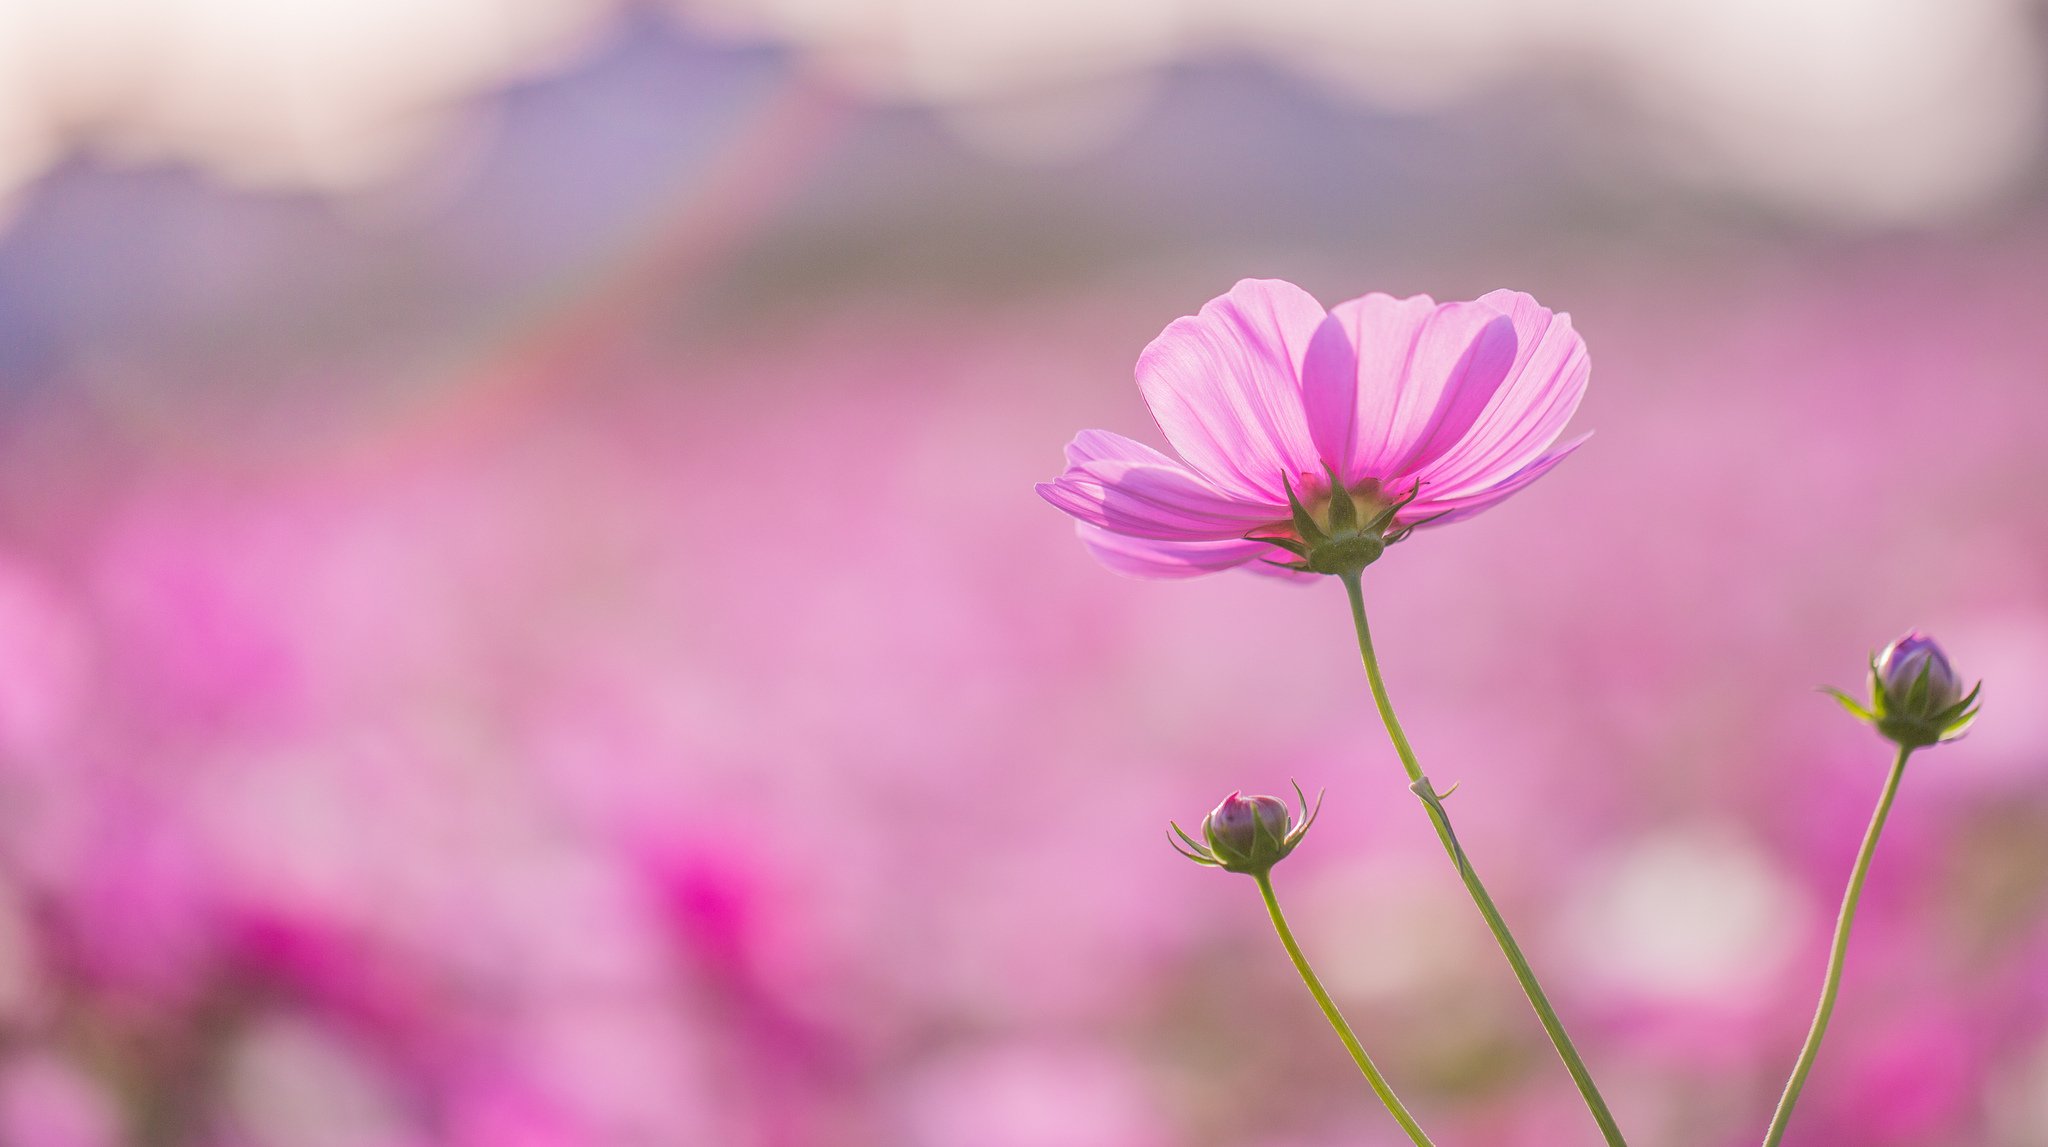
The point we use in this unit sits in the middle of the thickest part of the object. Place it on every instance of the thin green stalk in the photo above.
(1379, 1083)
(1832, 982)
(1432, 802)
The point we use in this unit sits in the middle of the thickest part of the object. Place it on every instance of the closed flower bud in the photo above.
(1916, 698)
(1248, 834)
(1901, 668)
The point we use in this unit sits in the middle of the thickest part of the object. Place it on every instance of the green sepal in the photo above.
(1916, 693)
(1401, 534)
(1849, 703)
(1193, 851)
(1262, 837)
(1284, 542)
(1308, 814)
(1956, 720)
(1304, 524)
(1343, 511)
(1969, 700)
(1385, 517)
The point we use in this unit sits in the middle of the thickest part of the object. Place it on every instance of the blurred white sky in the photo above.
(1849, 111)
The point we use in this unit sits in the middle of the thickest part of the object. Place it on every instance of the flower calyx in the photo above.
(1916, 698)
(1248, 834)
(1347, 541)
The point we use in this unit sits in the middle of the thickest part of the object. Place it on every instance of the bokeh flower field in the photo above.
(485, 674)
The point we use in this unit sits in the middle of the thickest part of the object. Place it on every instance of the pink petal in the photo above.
(1150, 500)
(1146, 558)
(1391, 384)
(1225, 387)
(1106, 445)
(1531, 407)
(1456, 507)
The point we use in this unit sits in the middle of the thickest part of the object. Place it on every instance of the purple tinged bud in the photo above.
(1899, 668)
(1247, 834)
(1250, 834)
(1916, 699)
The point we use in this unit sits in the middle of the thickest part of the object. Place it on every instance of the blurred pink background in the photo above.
(524, 622)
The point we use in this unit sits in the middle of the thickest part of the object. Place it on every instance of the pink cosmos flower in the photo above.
(1264, 393)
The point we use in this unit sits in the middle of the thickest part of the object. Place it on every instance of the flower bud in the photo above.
(1916, 698)
(1249, 834)
(1899, 671)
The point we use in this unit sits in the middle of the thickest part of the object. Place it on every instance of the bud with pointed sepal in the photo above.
(1916, 698)
(1248, 834)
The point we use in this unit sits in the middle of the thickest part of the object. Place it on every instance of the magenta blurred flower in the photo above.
(1267, 398)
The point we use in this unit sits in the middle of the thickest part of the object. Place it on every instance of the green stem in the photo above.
(1432, 802)
(1832, 983)
(1336, 1018)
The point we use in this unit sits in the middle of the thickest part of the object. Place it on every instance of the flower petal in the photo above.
(1150, 500)
(1107, 445)
(1391, 384)
(1530, 409)
(1456, 507)
(1225, 387)
(1147, 558)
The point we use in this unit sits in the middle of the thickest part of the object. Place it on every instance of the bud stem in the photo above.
(1380, 1087)
(1832, 982)
(1433, 804)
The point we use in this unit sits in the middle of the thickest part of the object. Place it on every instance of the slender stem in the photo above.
(1832, 982)
(1379, 1083)
(1432, 802)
